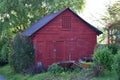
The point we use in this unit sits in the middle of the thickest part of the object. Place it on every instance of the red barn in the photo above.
(62, 36)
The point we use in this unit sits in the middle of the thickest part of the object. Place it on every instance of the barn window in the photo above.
(66, 22)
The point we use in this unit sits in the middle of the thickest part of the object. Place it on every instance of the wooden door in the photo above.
(49, 58)
(59, 51)
(54, 52)
(71, 50)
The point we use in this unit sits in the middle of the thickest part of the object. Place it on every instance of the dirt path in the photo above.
(2, 78)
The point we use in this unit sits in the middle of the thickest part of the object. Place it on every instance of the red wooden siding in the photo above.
(54, 43)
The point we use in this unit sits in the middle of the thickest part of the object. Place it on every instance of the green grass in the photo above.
(8, 73)
(107, 75)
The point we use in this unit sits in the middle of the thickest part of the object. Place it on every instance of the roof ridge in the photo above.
(46, 19)
(28, 32)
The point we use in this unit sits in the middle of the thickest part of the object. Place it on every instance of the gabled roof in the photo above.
(46, 19)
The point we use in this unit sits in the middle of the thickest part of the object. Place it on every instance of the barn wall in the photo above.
(54, 43)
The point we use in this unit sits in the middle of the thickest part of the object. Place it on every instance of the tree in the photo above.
(113, 22)
(55, 5)
(103, 57)
(4, 46)
(17, 15)
(23, 53)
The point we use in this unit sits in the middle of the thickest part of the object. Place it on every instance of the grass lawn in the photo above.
(8, 73)
(107, 75)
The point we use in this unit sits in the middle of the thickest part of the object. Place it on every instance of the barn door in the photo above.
(59, 51)
(71, 50)
(49, 58)
(54, 52)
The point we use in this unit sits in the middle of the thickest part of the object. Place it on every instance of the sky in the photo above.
(94, 10)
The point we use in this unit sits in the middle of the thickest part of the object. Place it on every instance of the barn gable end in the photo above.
(45, 20)
(62, 36)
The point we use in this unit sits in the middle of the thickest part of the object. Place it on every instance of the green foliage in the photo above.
(113, 47)
(8, 73)
(56, 5)
(103, 57)
(17, 15)
(4, 53)
(102, 37)
(4, 47)
(113, 22)
(116, 64)
(98, 69)
(23, 53)
(54, 68)
(107, 75)
(20, 14)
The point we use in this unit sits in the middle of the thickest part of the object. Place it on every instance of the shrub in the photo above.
(103, 57)
(98, 70)
(4, 53)
(113, 47)
(116, 64)
(55, 69)
(4, 48)
(23, 53)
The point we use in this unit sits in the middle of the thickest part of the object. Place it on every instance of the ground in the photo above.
(84, 74)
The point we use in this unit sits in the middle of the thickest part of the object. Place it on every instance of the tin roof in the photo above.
(46, 19)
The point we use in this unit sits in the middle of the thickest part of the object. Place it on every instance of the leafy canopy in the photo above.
(113, 21)
(20, 14)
